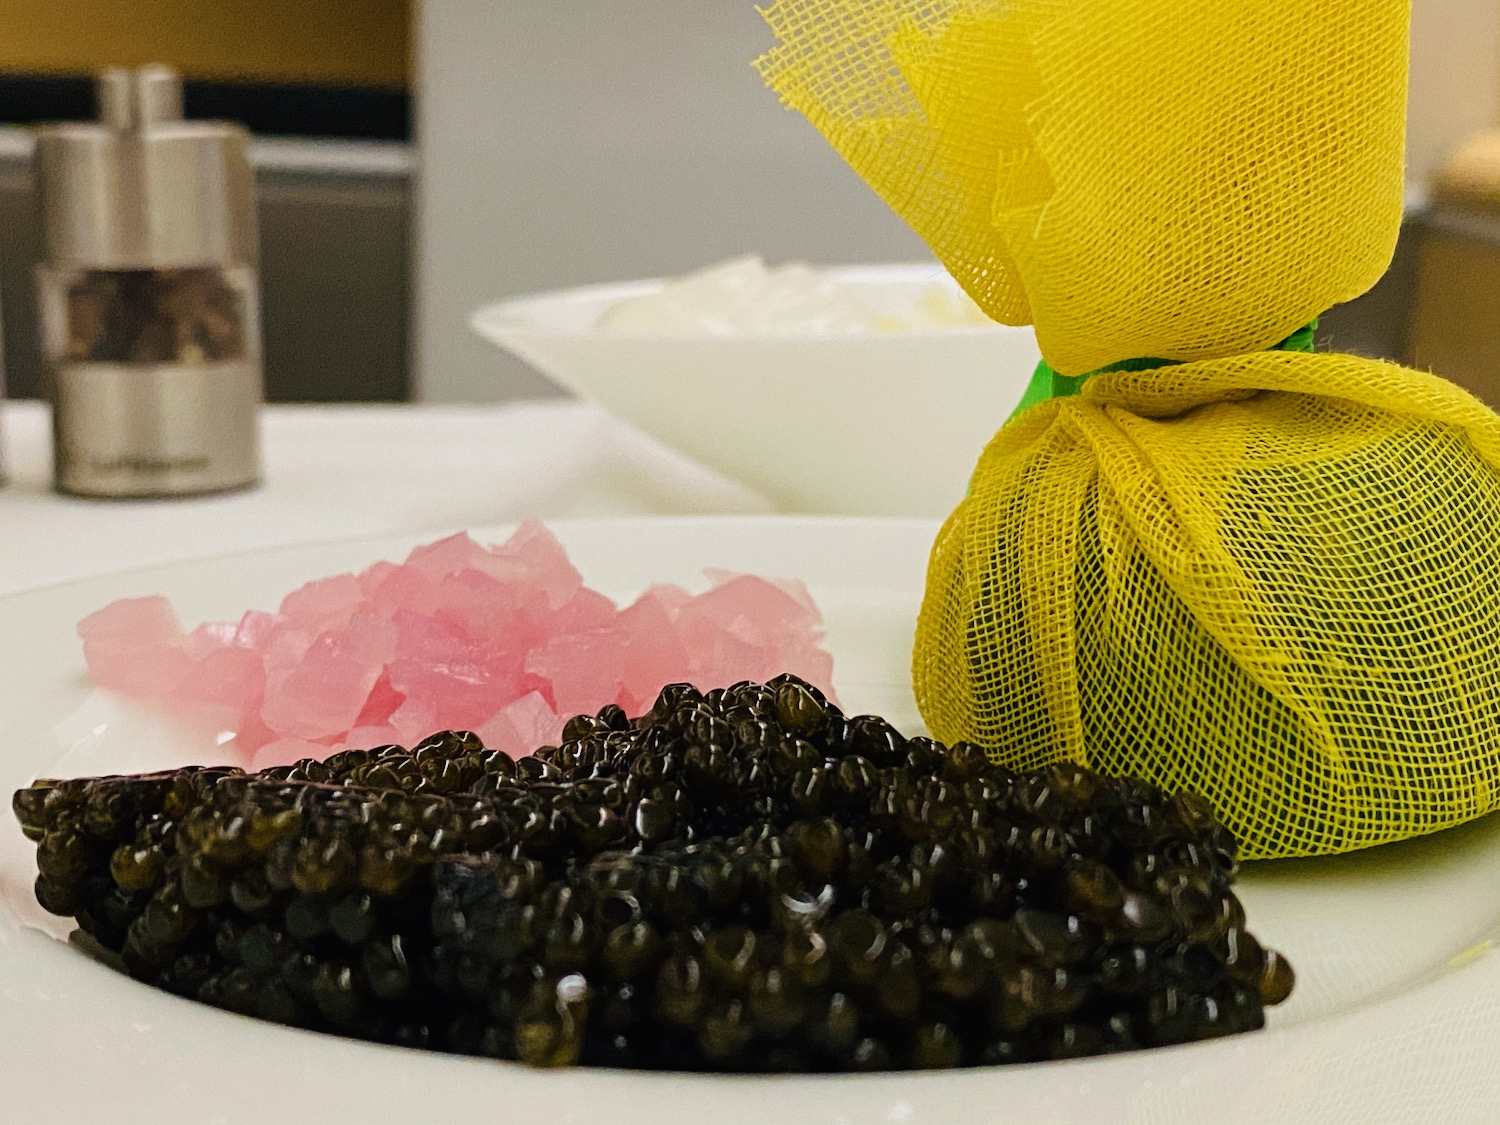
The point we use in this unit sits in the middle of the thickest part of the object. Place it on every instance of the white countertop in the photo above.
(340, 472)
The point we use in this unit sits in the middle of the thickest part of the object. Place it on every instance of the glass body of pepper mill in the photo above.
(149, 296)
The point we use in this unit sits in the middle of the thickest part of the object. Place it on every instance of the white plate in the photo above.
(1396, 1016)
(877, 423)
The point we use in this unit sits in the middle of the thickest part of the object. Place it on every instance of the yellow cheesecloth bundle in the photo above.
(1267, 575)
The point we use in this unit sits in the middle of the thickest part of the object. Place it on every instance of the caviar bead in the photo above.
(799, 707)
(869, 1054)
(724, 1029)
(935, 1046)
(1276, 978)
(776, 1002)
(739, 879)
(59, 896)
(818, 846)
(137, 867)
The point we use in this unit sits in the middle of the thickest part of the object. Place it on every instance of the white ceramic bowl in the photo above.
(884, 423)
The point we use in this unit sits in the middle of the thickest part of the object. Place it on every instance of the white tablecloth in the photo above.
(337, 472)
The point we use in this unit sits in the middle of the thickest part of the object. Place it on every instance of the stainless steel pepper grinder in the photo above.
(149, 296)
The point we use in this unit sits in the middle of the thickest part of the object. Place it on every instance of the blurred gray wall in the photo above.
(574, 141)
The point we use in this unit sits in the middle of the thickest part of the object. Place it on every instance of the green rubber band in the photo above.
(1047, 383)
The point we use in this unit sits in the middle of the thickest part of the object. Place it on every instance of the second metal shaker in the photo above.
(149, 296)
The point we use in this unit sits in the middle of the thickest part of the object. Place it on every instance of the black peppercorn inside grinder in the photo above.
(150, 303)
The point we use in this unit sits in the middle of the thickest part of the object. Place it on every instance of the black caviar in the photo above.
(741, 879)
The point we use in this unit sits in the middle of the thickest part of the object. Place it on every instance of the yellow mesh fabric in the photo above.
(1174, 178)
(1272, 577)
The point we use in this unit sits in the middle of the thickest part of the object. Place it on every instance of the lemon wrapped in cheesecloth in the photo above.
(1200, 553)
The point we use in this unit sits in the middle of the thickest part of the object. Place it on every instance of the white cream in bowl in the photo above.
(745, 297)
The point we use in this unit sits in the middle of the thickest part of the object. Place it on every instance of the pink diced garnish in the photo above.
(505, 641)
(134, 646)
(254, 629)
(447, 556)
(768, 605)
(226, 685)
(533, 557)
(655, 654)
(143, 621)
(586, 670)
(486, 611)
(437, 669)
(389, 588)
(414, 720)
(585, 610)
(522, 726)
(325, 693)
(208, 638)
(323, 604)
(381, 703)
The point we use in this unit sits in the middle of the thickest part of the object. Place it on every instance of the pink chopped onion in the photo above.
(505, 640)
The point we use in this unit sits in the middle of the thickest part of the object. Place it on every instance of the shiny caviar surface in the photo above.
(742, 879)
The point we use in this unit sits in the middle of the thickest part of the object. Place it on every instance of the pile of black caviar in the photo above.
(741, 879)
